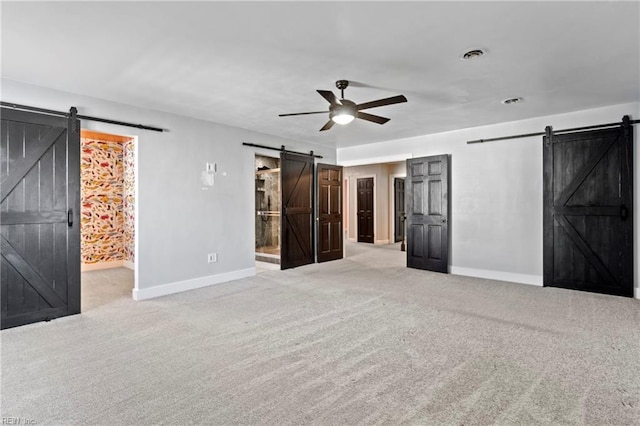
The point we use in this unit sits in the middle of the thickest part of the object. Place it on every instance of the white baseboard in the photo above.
(86, 267)
(180, 286)
(129, 265)
(382, 242)
(497, 275)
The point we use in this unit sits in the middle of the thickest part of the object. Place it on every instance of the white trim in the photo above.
(129, 265)
(637, 291)
(382, 241)
(375, 160)
(192, 284)
(86, 267)
(136, 213)
(497, 275)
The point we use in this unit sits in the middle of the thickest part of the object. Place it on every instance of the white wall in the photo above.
(496, 190)
(177, 222)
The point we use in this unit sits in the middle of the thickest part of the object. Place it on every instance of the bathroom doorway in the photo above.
(267, 205)
(107, 183)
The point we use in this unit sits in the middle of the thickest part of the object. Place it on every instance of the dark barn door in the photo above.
(329, 180)
(365, 210)
(39, 217)
(588, 215)
(398, 208)
(296, 172)
(427, 197)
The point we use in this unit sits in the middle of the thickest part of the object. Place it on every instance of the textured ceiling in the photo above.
(243, 63)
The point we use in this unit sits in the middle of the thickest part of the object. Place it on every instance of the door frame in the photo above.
(392, 221)
(352, 191)
(355, 210)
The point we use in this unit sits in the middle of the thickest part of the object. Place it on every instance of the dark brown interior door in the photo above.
(296, 172)
(39, 217)
(329, 178)
(588, 210)
(427, 196)
(365, 210)
(398, 209)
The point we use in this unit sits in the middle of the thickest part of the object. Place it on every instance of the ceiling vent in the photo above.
(511, 101)
(473, 54)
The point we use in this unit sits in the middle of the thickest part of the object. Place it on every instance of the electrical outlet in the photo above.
(212, 257)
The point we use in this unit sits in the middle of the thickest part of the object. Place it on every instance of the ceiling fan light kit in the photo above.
(343, 111)
(343, 114)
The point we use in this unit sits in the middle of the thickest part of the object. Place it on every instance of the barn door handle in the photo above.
(70, 218)
(623, 212)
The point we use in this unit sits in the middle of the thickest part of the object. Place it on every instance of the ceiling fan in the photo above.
(344, 111)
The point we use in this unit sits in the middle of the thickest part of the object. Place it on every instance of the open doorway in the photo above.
(107, 204)
(365, 205)
(373, 203)
(398, 209)
(267, 207)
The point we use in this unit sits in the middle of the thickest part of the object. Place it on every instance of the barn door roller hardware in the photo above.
(282, 149)
(575, 129)
(79, 116)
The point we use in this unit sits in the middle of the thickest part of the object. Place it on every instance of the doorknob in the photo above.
(444, 220)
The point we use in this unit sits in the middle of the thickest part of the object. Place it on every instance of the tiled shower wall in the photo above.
(267, 199)
(107, 201)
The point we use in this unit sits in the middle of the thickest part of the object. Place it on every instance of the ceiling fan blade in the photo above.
(303, 113)
(382, 102)
(327, 126)
(372, 118)
(329, 96)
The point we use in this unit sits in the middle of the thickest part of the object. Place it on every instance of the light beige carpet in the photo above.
(362, 340)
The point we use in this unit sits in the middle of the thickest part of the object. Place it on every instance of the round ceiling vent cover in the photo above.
(510, 101)
(473, 54)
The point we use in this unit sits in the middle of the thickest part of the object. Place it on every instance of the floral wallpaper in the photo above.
(106, 236)
(128, 198)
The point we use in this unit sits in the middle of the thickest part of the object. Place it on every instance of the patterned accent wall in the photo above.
(106, 201)
(128, 242)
